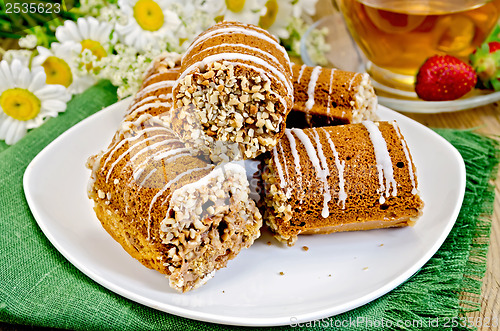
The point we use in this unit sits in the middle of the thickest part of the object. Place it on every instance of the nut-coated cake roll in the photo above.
(236, 83)
(175, 213)
(340, 178)
(324, 97)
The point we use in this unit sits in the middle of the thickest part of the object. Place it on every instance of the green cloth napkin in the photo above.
(38, 286)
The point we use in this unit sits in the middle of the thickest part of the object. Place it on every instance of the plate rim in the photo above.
(235, 320)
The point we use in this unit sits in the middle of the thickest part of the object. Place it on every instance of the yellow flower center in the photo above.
(57, 71)
(267, 20)
(95, 47)
(148, 15)
(20, 104)
(235, 5)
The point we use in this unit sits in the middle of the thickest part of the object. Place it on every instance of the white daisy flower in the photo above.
(246, 11)
(89, 33)
(304, 6)
(277, 17)
(26, 100)
(60, 65)
(148, 22)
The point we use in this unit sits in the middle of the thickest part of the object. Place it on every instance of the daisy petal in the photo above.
(3, 83)
(53, 106)
(49, 92)
(35, 122)
(82, 83)
(73, 31)
(20, 132)
(83, 27)
(11, 136)
(93, 31)
(24, 78)
(38, 82)
(62, 33)
(5, 68)
(15, 68)
(5, 123)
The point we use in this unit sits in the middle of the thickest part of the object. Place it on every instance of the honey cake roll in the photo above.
(236, 82)
(324, 97)
(340, 178)
(154, 105)
(155, 95)
(160, 68)
(175, 213)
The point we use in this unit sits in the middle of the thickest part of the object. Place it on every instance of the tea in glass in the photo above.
(397, 36)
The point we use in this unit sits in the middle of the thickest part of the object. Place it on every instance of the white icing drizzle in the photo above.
(311, 88)
(278, 167)
(241, 57)
(149, 105)
(172, 156)
(320, 172)
(327, 196)
(119, 158)
(147, 177)
(330, 92)
(253, 49)
(383, 159)
(237, 29)
(301, 72)
(166, 187)
(133, 106)
(154, 87)
(161, 71)
(147, 100)
(160, 155)
(288, 189)
(411, 169)
(166, 155)
(296, 160)
(151, 148)
(129, 139)
(340, 168)
(352, 80)
(137, 174)
(295, 154)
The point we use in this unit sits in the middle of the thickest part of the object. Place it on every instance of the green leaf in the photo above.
(494, 35)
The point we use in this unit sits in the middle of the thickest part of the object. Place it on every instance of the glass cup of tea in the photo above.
(397, 36)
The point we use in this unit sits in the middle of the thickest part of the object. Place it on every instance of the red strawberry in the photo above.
(444, 77)
(486, 62)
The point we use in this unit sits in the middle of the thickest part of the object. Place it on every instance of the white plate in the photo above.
(339, 272)
(345, 55)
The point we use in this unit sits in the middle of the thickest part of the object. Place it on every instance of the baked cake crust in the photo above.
(325, 97)
(174, 212)
(342, 178)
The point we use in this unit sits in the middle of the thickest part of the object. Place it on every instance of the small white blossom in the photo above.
(29, 41)
(304, 6)
(23, 55)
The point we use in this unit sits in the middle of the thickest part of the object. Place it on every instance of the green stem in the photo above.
(9, 35)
